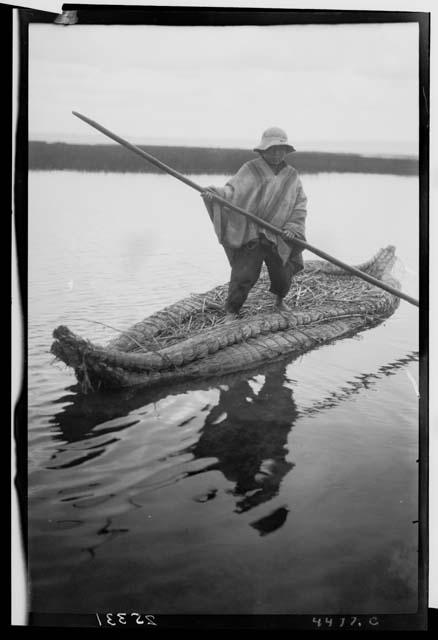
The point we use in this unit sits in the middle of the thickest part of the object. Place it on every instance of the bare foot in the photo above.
(280, 305)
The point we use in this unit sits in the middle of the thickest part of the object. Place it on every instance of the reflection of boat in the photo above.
(189, 339)
(79, 416)
(244, 435)
(359, 382)
(112, 409)
(82, 413)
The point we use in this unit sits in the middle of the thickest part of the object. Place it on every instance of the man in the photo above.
(270, 189)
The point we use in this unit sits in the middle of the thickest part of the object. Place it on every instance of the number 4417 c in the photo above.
(342, 622)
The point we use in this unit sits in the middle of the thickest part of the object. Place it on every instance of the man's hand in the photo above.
(288, 235)
(208, 193)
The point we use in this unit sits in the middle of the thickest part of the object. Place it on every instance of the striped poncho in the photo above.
(278, 199)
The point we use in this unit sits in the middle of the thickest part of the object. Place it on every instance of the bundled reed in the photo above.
(310, 289)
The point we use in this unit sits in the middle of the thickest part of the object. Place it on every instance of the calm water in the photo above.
(289, 489)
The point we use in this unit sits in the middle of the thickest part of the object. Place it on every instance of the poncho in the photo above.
(278, 199)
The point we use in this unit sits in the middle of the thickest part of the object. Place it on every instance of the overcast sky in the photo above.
(335, 87)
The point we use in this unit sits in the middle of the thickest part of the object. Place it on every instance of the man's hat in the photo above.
(274, 137)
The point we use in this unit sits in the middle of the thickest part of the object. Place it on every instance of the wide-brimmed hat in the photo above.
(274, 137)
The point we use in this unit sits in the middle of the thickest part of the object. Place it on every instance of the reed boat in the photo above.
(190, 339)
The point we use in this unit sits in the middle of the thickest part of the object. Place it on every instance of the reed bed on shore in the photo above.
(201, 160)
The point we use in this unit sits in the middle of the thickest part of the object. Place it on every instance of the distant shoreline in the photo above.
(53, 156)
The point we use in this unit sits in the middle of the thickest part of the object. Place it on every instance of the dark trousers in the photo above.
(246, 264)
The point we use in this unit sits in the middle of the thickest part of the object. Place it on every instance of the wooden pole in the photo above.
(247, 214)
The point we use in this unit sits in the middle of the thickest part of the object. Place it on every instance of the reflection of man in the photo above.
(247, 433)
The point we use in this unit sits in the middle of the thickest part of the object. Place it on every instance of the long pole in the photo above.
(247, 214)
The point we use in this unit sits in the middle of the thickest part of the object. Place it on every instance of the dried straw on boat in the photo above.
(190, 339)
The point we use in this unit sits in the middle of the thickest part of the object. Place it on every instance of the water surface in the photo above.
(291, 488)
